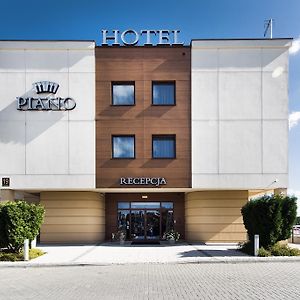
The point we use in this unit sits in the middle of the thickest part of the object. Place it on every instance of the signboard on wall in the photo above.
(5, 181)
(146, 37)
(45, 99)
(154, 181)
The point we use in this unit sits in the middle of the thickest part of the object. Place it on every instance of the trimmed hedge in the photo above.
(272, 217)
(19, 220)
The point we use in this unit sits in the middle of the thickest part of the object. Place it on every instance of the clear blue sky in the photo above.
(67, 19)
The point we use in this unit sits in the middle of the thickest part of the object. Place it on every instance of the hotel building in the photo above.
(143, 138)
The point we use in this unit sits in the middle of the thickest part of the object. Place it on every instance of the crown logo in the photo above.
(46, 87)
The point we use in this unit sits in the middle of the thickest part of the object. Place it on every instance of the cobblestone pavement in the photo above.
(272, 280)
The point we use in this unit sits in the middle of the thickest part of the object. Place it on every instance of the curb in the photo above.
(206, 260)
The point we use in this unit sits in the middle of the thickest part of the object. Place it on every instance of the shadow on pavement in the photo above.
(212, 253)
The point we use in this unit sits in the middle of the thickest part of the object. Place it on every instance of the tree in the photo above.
(272, 217)
(19, 220)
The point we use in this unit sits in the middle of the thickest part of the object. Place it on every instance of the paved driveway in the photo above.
(154, 281)
(113, 253)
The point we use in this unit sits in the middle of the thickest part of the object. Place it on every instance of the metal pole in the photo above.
(26, 250)
(271, 28)
(256, 244)
(33, 243)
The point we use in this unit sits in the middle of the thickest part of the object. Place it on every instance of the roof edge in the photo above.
(17, 40)
(47, 44)
(241, 43)
(243, 39)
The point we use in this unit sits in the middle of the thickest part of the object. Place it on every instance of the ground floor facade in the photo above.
(93, 217)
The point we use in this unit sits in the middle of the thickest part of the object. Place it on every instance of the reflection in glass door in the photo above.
(145, 220)
(167, 220)
(137, 224)
(152, 224)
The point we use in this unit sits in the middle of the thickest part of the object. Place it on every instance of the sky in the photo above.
(75, 19)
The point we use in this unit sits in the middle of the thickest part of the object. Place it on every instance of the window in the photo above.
(123, 146)
(123, 93)
(163, 146)
(167, 205)
(145, 205)
(122, 205)
(163, 93)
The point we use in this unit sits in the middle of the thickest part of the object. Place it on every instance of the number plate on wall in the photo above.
(5, 181)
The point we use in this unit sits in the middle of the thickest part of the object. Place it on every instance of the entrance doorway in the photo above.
(145, 220)
(145, 224)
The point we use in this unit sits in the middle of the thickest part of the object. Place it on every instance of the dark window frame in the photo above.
(112, 145)
(113, 83)
(162, 136)
(155, 82)
(161, 209)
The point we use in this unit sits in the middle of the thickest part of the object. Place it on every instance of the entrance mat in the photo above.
(145, 243)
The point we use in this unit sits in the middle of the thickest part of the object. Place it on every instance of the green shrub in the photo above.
(3, 235)
(274, 250)
(272, 217)
(9, 256)
(19, 220)
(262, 252)
(283, 250)
(171, 235)
(12, 256)
(294, 252)
(34, 253)
(289, 216)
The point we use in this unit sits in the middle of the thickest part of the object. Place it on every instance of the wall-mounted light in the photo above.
(144, 197)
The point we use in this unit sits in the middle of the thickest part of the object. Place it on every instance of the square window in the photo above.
(163, 146)
(163, 93)
(123, 93)
(123, 146)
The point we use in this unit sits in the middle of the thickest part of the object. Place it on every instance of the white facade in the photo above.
(239, 119)
(47, 149)
(239, 114)
(239, 138)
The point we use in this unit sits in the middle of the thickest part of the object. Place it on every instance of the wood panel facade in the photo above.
(143, 65)
(215, 216)
(73, 217)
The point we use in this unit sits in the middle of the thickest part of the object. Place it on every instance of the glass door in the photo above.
(138, 224)
(152, 224)
(145, 220)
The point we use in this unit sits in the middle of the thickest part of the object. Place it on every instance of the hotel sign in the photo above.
(132, 37)
(155, 181)
(45, 102)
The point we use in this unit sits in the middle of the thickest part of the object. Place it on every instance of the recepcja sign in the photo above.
(156, 181)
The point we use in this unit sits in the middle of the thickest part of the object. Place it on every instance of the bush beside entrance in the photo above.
(271, 217)
(9, 256)
(278, 250)
(19, 220)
